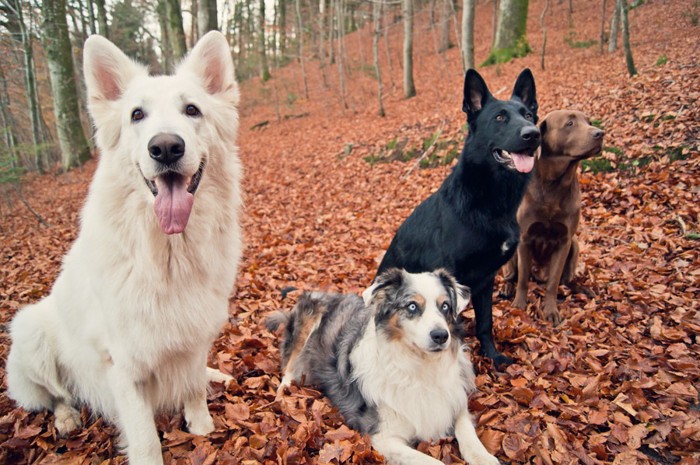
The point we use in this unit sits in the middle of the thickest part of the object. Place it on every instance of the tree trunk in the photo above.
(176, 30)
(331, 31)
(409, 88)
(340, 16)
(207, 17)
(300, 33)
(544, 32)
(510, 40)
(614, 27)
(8, 121)
(38, 137)
(468, 34)
(166, 49)
(282, 26)
(91, 17)
(602, 28)
(445, 16)
(321, 32)
(494, 22)
(377, 18)
(387, 48)
(631, 69)
(102, 17)
(74, 146)
(262, 48)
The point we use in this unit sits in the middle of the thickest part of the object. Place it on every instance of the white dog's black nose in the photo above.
(166, 148)
(439, 336)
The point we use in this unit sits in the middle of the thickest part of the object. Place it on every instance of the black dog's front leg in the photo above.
(482, 299)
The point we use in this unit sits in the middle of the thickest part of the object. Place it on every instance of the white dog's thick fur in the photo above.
(140, 299)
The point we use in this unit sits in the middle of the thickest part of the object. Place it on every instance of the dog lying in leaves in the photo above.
(393, 363)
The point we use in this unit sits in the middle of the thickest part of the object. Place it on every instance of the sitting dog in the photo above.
(468, 226)
(550, 211)
(144, 289)
(393, 364)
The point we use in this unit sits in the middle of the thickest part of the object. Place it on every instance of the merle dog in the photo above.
(469, 226)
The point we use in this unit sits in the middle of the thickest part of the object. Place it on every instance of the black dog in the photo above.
(468, 226)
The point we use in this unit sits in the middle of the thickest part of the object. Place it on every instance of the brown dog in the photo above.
(549, 213)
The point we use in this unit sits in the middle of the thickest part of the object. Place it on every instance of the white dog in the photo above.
(144, 290)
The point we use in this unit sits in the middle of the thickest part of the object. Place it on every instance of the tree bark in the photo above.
(409, 87)
(25, 37)
(282, 27)
(176, 30)
(166, 49)
(631, 69)
(102, 17)
(8, 121)
(614, 27)
(300, 32)
(544, 32)
(602, 28)
(445, 16)
(74, 146)
(468, 9)
(510, 40)
(207, 17)
(262, 48)
(340, 16)
(377, 19)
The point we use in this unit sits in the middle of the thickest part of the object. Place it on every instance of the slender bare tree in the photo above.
(631, 69)
(377, 21)
(409, 87)
(510, 34)
(300, 41)
(602, 28)
(614, 27)
(75, 149)
(468, 7)
(207, 17)
(262, 46)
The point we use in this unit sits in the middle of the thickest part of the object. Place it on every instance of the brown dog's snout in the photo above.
(598, 134)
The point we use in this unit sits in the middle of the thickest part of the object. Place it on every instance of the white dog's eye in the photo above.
(137, 115)
(191, 110)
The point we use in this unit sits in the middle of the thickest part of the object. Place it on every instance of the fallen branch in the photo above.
(426, 151)
(21, 198)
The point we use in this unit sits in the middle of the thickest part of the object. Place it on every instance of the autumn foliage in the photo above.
(617, 382)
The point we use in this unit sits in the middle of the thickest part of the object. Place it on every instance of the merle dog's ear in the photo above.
(525, 91)
(476, 93)
(459, 295)
(393, 277)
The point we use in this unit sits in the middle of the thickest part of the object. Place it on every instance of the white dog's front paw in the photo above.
(218, 377)
(67, 419)
(202, 424)
(483, 458)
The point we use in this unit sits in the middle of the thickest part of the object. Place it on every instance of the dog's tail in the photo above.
(276, 319)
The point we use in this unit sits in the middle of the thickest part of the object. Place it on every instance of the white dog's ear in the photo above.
(107, 70)
(210, 60)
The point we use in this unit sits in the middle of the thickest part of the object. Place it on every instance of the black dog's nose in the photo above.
(598, 134)
(439, 336)
(530, 133)
(166, 148)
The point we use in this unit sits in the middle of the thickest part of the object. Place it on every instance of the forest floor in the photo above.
(326, 187)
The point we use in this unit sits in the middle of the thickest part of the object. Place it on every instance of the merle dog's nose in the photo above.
(598, 134)
(530, 134)
(439, 336)
(166, 148)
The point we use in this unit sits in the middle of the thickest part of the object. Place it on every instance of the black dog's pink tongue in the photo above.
(173, 203)
(523, 162)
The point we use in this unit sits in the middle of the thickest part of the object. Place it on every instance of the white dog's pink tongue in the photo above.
(523, 162)
(173, 204)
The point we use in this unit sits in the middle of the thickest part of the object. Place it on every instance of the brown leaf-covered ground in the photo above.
(617, 382)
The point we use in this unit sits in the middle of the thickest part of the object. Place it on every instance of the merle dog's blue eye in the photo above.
(445, 307)
(412, 307)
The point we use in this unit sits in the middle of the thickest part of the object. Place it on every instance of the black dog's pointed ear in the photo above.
(525, 90)
(475, 93)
